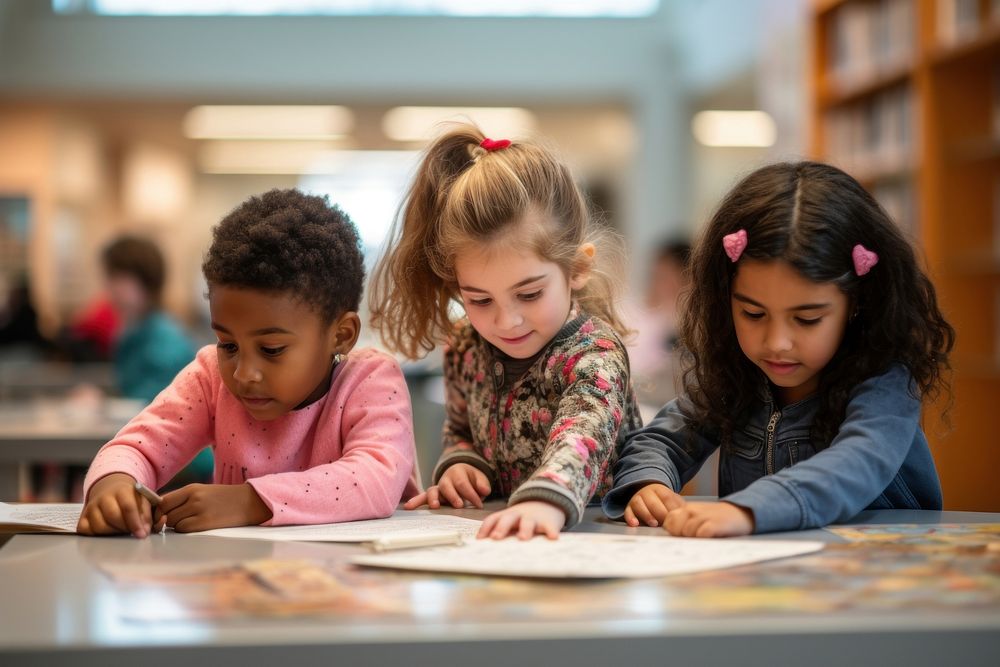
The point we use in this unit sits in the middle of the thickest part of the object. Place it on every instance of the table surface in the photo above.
(34, 420)
(846, 605)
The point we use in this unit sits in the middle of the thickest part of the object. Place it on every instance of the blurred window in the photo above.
(561, 8)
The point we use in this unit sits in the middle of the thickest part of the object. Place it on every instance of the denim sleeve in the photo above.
(667, 451)
(874, 439)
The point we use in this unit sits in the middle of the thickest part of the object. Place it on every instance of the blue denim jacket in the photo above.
(879, 458)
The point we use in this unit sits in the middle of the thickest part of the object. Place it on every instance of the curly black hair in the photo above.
(288, 241)
(811, 215)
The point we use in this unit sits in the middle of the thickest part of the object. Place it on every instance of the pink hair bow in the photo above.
(864, 259)
(735, 244)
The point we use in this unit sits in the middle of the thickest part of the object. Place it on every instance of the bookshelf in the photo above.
(906, 97)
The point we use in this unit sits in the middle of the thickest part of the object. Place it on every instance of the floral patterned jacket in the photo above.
(551, 434)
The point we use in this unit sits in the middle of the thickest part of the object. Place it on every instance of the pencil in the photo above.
(392, 542)
(148, 494)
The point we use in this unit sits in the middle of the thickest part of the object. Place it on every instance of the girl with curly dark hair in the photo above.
(812, 336)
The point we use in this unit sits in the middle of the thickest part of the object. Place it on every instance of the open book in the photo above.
(39, 517)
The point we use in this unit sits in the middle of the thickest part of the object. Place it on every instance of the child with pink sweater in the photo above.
(304, 430)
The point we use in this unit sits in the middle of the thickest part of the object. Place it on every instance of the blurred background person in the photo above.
(151, 347)
(19, 332)
(652, 349)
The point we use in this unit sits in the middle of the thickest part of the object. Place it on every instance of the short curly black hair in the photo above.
(288, 241)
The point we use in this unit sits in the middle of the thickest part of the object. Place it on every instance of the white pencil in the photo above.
(414, 541)
(148, 494)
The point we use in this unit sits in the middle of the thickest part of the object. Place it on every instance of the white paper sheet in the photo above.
(402, 522)
(40, 517)
(590, 556)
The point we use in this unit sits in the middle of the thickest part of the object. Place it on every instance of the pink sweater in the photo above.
(348, 456)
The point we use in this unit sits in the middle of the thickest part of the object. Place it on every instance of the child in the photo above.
(303, 432)
(537, 380)
(152, 348)
(812, 334)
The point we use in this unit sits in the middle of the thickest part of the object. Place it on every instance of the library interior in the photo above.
(137, 136)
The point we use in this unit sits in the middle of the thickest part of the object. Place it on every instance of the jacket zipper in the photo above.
(771, 425)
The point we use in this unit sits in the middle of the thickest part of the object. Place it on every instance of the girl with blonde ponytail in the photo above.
(538, 393)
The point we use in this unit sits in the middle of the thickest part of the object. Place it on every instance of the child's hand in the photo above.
(459, 483)
(709, 520)
(527, 519)
(113, 507)
(198, 507)
(651, 504)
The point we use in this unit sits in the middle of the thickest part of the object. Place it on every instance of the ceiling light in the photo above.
(424, 123)
(734, 128)
(309, 122)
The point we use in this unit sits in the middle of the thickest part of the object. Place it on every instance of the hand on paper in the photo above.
(649, 506)
(113, 507)
(198, 507)
(709, 520)
(459, 483)
(525, 519)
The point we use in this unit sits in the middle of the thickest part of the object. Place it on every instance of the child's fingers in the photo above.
(448, 492)
(527, 528)
(133, 515)
(83, 525)
(487, 526)
(146, 513)
(174, 499)
(693, 524)
(630, 517)
(433, 498)
(551, 530)
(179, 513)
(505, 524)
(482, 482)
(98, 526)
(189, 524)
(655, 506)
(708, 529)
(674, 523)
(416, 501)
(671, 500)
(641, 512)
(464, 488)
(111, 513)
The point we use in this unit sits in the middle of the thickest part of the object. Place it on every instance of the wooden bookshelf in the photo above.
(906, 97)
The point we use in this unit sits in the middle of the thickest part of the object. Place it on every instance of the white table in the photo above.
(58, 609)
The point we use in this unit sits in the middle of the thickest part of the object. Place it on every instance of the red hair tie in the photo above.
(490, 145)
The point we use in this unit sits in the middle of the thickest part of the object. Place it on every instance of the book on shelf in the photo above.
(899, 200)
(995, 101)
(996, 326)
(957, 21)
(869, 39)
(996, 219)
(873, 137)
